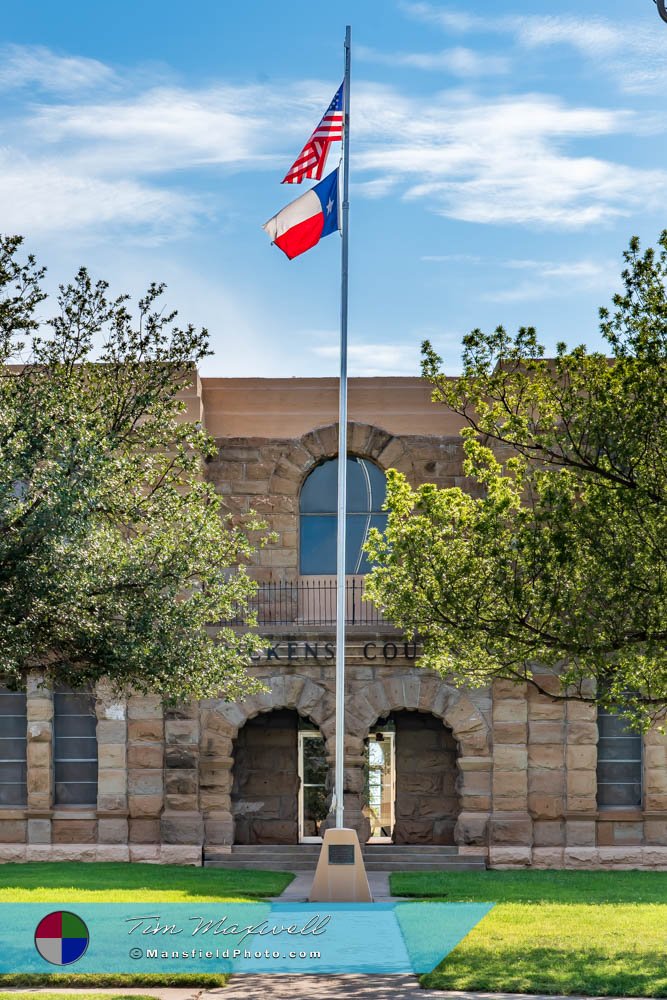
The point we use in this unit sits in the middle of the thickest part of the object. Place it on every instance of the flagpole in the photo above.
(339, 780)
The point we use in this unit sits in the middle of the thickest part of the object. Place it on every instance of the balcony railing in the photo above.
(310, 602)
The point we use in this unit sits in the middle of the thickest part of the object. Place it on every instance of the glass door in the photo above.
(381, 785)
(312, 786)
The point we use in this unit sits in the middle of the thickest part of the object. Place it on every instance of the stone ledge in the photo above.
(64, 852)
(611, 814)
(509, 857)
(181, 854)
(12, 852)
(165, 854)
(583, 858)
(74, 813)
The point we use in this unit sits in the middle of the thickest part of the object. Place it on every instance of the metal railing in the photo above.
(309, 602)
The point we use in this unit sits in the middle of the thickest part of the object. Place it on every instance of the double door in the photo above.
(381, 785)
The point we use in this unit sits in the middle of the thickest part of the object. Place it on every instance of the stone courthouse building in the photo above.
(506, 776)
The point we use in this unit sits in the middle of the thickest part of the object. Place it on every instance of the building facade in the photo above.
(505, 773)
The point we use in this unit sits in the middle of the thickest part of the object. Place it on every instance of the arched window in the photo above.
(366, 491)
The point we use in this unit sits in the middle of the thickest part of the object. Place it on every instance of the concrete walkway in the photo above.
(306, 987)
(298, 890)
(278, 987)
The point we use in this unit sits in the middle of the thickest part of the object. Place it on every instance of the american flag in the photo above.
(310, 161)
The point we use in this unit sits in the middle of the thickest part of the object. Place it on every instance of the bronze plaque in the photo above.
(341, 854)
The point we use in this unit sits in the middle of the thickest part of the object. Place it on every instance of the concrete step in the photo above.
(395, 866)
(267, 859)
(422, 848)
(377, 858)
(280, 866)
(437, 849)
(282, 848)
(461, 865)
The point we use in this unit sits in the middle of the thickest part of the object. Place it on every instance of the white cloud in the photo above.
(457, 258)
(93, 164)
(503, 161)
(547, 279)
(633, 54)
(379, 187)
(525, 291)
(376, 359)
(579, 270)
(554, 278)
(449, 20)
(103, 165)
(458, 61)
(592, 36)
(35, 65)
(166, 128)
(40, 196)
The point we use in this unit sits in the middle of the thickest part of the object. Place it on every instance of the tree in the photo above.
(115, 554)
(556, 561)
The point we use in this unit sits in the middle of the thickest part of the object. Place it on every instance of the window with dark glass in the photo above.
(75, 747)
(366, 491)
(619, 772)
(13, 743)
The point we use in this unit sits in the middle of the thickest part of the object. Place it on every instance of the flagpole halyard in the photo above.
(339, 779)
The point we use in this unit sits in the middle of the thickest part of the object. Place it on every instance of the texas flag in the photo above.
(302, 223)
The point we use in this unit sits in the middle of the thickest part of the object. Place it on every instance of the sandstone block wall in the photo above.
(266, 782)
(427, 804)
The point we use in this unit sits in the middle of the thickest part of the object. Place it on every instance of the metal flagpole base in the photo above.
(340, 876)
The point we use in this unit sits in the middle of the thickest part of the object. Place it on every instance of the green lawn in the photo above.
(74, 996)
(69, 882)
(589, 933)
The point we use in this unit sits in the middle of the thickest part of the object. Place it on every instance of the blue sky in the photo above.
(502, 156)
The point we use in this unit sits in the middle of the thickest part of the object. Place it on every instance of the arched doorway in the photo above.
(279, 780)
(411, 789)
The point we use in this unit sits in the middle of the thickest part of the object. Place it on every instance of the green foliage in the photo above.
(115, 554)
(76, 996)
(556, 558)
(197, 981)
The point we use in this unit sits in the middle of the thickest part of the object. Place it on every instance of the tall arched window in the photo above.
(366, 491)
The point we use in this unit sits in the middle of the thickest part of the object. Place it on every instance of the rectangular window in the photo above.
(75, 747)
(13, 744)
(619, 773)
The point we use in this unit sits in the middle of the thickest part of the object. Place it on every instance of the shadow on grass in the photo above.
(140, 879)
(587, 972)
(534, 886)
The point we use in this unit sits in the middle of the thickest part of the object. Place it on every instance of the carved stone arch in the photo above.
(220, 723)
(364, 440)
(295, 691)
(427, 692)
